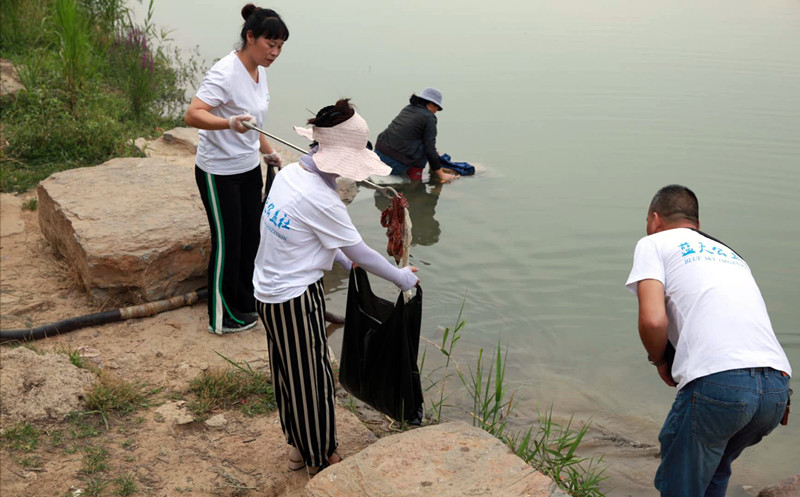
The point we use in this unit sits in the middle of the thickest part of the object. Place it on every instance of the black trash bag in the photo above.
(271, 172)
(379, 350)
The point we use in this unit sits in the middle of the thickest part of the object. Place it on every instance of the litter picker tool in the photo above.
(386, 191)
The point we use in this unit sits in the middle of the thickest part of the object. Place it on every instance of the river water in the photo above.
(576, 112)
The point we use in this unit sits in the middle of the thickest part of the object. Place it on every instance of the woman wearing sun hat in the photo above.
(304, 229)
(410, 139)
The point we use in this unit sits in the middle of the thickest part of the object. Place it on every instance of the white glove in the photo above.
(273, 159)
(235, 122)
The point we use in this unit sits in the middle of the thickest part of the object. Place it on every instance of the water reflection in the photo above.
(422, 198)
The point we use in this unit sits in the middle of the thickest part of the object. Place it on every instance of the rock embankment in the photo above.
(446, 460)
(132, 229)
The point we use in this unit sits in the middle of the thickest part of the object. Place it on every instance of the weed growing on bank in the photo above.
(81, 436)
(94, 81)
(125, 485)
(549, 447)
(237, 386)
(31, 204)
(111, 394)
(22, 437)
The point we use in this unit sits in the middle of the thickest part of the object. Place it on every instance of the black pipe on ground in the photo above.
(98, 318)
(121, 314)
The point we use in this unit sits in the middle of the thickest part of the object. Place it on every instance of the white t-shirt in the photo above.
(717, 316)
(303, 224)
(230, 90)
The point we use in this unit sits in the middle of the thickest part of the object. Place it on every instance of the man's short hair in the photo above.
(675, 202)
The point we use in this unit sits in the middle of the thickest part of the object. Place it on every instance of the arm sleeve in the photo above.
(429, 142)
(343, 260)
(373, 262)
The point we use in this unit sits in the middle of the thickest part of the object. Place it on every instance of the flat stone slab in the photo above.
(176, 146)
(133, 229)
(446, 460)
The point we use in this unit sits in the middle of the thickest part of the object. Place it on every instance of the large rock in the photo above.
(447, 460)
(132, 229)
(176, 146)
(789, 487)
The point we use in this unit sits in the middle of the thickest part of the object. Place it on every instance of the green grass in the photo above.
(56, 438)
(351, 404)
(32, 461)
(547, 446)
(113, 394)
(125, 486)
(550, 448)
(95, 460)
(83, 425)
(238, 386)
(94, 81)
(72, 28)
(96, 487)
(81, 433)
(75, 357)
(22, 437)
(31, 204)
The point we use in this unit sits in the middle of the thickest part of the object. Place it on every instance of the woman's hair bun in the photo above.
(248, 10)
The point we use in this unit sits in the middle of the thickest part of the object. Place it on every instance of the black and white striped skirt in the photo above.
(301, 372)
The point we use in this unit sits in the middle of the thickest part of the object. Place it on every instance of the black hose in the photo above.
(121, 314)
(98, 318)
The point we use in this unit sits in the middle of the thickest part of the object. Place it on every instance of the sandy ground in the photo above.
(243, 456)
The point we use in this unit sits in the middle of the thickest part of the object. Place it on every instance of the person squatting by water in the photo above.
(410, 139)
(227, 169)
(305, 228)
(698, 295)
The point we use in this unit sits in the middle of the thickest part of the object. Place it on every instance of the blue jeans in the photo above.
(713, 419)
(398, 168)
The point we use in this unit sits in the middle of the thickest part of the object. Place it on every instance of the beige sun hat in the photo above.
(343, 149)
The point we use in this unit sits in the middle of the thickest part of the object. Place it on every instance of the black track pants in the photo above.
(233, 207)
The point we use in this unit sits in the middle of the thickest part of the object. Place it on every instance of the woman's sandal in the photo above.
(296, 460)
(313, 470)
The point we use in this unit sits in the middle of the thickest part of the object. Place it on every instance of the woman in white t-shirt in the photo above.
(227, 169)
(304, 229)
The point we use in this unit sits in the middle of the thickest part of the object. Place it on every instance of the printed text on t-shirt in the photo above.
(699, 251)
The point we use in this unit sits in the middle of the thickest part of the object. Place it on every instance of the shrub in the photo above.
(94, 81)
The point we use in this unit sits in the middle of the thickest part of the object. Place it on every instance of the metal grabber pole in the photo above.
(386, 191)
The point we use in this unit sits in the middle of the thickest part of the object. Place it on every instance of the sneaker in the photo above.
(229, 325)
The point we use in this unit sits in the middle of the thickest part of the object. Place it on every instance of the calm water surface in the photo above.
(577, 112)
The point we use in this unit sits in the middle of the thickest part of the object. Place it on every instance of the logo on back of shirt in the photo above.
(699, 251)
(278, 220)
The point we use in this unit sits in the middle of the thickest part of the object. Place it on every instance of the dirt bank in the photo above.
(240, 455)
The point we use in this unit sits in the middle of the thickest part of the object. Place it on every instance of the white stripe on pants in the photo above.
(301, 372)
